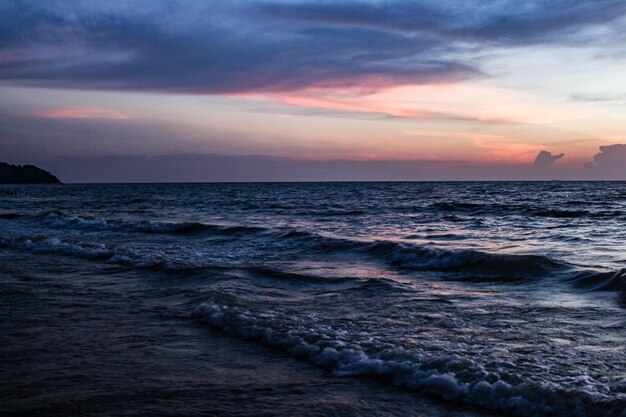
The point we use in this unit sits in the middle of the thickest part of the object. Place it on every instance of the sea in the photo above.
(448, 299)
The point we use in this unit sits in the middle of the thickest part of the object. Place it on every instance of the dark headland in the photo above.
(25, 174)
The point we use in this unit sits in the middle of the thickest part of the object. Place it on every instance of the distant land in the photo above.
(25, 174)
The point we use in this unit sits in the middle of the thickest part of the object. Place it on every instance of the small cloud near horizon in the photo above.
(546, 159)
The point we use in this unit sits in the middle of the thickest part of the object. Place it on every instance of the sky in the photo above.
(314, 90)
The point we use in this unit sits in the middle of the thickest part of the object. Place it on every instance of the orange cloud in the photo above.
(80, 113)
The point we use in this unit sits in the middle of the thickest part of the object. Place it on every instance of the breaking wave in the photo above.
(57, 219)
(601, 281)
(400, 255)
(410, 256)
(58, 247)
(455, 264)
(90, 250)
(448, 376)
(490, 264)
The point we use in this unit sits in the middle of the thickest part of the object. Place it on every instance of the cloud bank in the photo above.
(610, 162)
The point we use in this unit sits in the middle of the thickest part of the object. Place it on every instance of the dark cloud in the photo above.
(545, 159)
(550, 21)
(505, 22)
(232, 47)
(610, 162)
(212, 50)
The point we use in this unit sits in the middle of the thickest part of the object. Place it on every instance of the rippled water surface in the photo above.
(430, 299)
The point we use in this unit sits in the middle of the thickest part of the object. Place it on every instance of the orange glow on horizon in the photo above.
(476, 103)
(485, 124)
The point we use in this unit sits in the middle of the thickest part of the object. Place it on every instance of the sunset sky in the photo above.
(482, 84)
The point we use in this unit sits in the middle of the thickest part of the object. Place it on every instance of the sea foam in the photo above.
(448, 375)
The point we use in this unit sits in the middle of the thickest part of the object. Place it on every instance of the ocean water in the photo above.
(426, 299)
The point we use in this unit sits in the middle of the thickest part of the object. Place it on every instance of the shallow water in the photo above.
(314, 299)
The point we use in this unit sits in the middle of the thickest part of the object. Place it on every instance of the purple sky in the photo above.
(314, 90)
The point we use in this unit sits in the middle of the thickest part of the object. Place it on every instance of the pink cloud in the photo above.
(429, 102)
(80, 113)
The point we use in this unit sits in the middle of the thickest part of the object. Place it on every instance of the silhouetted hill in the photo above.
(25, 174)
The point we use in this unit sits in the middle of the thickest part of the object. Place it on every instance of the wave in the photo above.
(455, 264)
(94, 251)
(562, 214)
(449, 376)
(57, 219)
(156, 261)
(58, 247)
(268, 272)
(437, 236)
(320, 211)
(377, 285)
(464, 206)
(526, 210)
(415, 257)
(601, 281)
(410, 257)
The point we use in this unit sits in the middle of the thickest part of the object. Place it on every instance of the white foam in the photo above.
(63, 221)
(57, 246)
(448, 376)
(123, 256)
